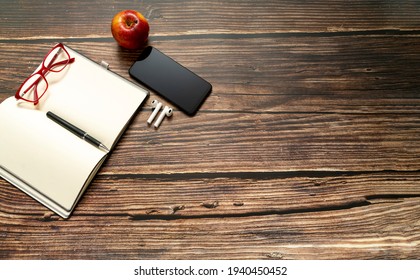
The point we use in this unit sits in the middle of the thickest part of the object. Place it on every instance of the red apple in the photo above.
(130, 29)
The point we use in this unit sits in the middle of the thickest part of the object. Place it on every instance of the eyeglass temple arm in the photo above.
(71, 60)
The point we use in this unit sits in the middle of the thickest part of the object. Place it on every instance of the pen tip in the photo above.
(104, 147)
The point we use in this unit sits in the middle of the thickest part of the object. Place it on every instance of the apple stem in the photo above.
(131, 22)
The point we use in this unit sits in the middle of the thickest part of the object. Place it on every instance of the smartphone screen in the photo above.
(171, 80)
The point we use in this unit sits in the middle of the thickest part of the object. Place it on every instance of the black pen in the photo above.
(75, 130)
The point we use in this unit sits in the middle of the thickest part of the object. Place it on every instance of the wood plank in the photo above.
(76, 19)
(238, 142)
(343, 74)
(377, 231)
(149, 197)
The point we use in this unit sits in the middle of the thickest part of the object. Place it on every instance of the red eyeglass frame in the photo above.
(42, 72)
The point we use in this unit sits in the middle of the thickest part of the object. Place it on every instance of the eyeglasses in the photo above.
(34, 87)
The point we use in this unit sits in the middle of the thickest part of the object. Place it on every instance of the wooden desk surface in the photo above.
(307, 148)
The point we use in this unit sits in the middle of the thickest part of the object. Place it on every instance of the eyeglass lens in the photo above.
(56, 60)
(34, 83)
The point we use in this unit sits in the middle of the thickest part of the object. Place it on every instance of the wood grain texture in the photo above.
(159, 196)
(338, 234)
(342, 74)
(78, 19)
(307, 148)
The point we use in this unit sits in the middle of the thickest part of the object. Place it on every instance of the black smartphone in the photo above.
(171, 80)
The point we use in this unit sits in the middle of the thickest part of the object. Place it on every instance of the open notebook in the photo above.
(48, 162)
